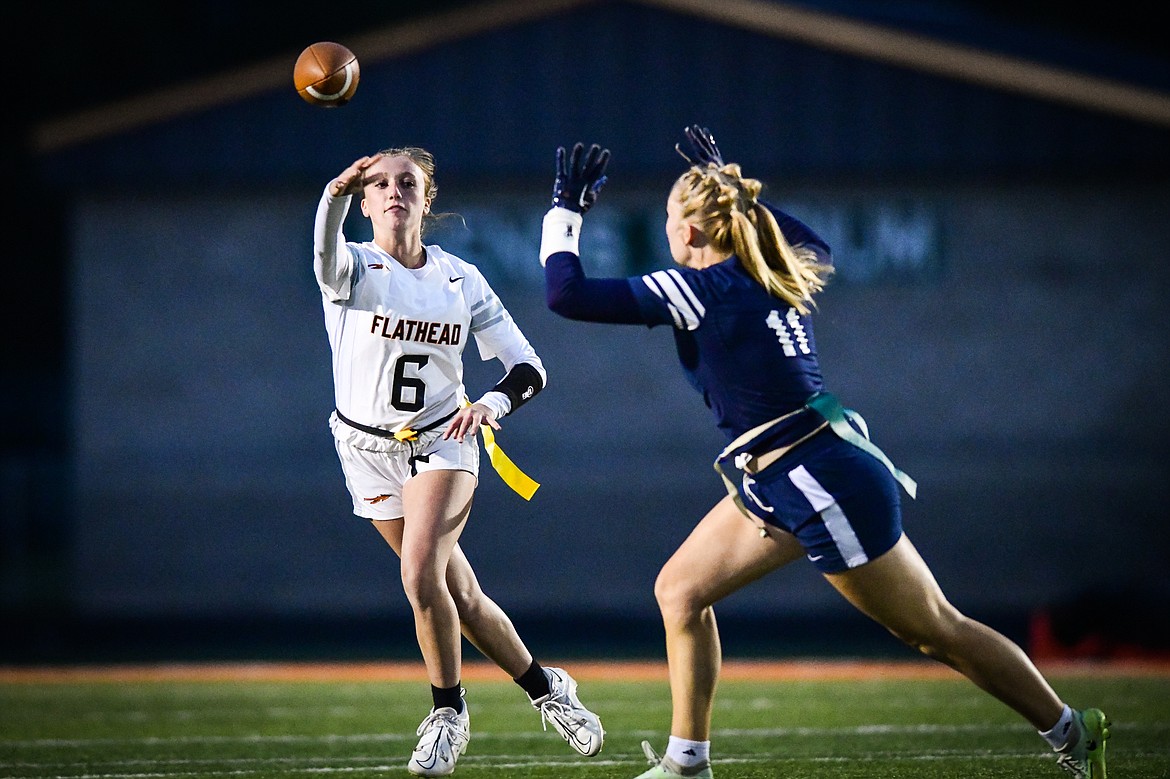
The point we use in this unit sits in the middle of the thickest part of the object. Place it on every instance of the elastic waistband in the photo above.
(381, 433)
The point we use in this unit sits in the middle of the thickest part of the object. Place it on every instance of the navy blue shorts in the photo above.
(841, 503)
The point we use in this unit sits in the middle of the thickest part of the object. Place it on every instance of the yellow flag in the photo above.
(515, 478)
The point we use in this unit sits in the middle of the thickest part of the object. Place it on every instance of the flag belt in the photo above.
(406, 434)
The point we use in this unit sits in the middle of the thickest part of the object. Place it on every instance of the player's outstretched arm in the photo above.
(579, 178)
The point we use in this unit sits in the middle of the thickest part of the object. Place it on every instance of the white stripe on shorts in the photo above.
(831, 514)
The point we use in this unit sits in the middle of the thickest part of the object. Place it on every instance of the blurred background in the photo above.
(994, 178)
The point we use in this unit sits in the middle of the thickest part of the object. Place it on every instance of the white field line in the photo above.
(493, 763)
(139, 768)
(480, 736)
(360, 738)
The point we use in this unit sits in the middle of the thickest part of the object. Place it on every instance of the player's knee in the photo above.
(915, 641)
(934, 638)
(470, 602)
(422, 584)
(676, 597)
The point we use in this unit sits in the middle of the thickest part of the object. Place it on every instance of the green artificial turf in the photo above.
(826, 729)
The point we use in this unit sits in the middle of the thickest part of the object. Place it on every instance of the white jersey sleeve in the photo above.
(496, 334)
(333, 263)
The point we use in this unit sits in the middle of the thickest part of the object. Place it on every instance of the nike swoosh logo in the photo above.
(814, 559)
(432, 759)
(454, 279)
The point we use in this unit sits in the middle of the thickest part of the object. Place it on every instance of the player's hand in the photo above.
(580, 177)
(467, 421)
(703, 150)
(350, 180)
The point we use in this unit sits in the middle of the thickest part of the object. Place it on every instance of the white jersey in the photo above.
(397, 334)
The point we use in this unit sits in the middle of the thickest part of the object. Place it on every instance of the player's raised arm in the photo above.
(580, 175)
(331, 265)
(579, 179)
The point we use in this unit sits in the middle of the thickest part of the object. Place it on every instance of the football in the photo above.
(326, 74)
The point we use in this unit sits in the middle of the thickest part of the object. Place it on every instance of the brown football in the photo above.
(326, 74)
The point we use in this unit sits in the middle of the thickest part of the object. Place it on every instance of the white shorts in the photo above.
(375, 478)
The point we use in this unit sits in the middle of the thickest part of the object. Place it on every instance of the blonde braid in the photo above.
(726, 208)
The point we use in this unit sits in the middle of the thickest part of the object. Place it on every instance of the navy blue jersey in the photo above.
(751, 355)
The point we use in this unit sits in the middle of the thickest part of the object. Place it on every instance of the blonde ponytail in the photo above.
(725, 206)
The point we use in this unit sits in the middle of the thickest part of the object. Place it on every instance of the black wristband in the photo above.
(521, 384)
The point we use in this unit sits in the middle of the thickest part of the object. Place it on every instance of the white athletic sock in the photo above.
(688, 753)
(1060, 733)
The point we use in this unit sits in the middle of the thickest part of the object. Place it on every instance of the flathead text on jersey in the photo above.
(403, 329)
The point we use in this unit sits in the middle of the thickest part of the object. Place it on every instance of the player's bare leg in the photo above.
(899, 592)
(490, 630)
(724, 553)
(436, 505)
(481, 620)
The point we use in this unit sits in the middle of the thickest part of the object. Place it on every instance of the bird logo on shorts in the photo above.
(378, 499)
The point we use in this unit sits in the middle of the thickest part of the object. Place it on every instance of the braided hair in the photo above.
(725, 205)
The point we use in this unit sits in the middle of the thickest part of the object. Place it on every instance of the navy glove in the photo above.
(703, 148)
(579, 180)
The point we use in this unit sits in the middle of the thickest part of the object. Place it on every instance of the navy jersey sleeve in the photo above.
(660, 298)
(569, 293)
(665, 297)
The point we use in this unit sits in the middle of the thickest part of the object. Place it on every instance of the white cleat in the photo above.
(576, 724)
(444, 736)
